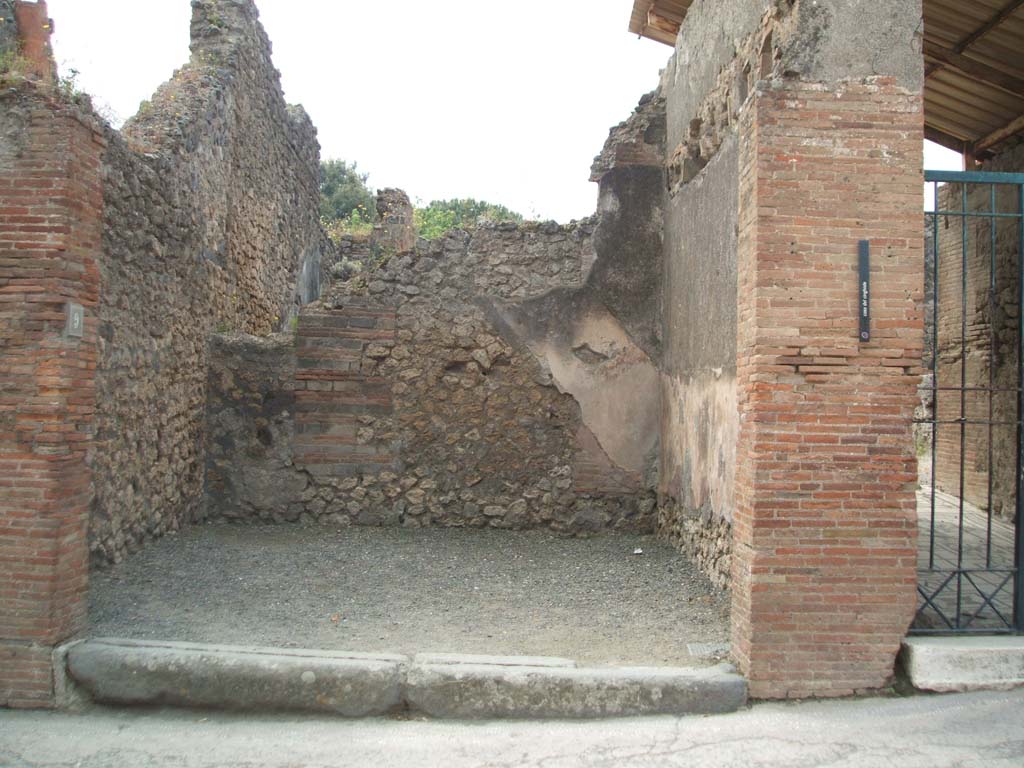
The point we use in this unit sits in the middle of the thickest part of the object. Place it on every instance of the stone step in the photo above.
(132, 672)
(957, 664)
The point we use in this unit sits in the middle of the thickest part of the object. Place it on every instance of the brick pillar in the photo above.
(34, 30)
(50, 228)
(825, 522)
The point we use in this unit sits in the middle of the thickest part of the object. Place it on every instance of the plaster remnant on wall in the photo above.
(700, 427)
(615, 395)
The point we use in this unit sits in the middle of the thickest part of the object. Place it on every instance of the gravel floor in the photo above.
(408, 591)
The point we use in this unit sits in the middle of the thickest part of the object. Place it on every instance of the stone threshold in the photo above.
(132, 672)
(958, 664)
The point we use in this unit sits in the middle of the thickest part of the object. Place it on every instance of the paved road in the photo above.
(983, 729)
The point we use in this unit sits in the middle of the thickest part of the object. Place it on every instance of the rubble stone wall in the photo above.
(409, 407)
(210, 225)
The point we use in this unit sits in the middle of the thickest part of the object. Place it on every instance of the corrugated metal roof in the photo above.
(974, 66)
(974, 72)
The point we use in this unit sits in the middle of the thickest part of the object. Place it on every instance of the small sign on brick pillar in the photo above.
(824, 550)
(864, 288)
(74, 324)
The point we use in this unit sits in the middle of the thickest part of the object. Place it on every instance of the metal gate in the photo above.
(969, 435)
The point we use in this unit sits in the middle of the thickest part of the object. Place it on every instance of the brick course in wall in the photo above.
(50, 224)
(825, 521)
(335, 397)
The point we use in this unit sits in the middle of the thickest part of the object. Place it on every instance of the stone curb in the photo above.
(357, 685)
(233, 677)
(473, 691)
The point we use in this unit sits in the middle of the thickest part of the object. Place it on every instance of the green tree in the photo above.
(441, 216)
(344, 192)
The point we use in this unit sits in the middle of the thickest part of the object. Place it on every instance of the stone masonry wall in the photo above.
(250, 427)
(411, 408)
(211, 197)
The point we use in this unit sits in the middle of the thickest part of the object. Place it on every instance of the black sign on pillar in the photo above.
(864, 289)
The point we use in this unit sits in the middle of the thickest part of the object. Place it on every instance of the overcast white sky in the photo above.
(505, 102)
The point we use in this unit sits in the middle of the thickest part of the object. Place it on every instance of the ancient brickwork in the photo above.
(824, 527)
(340, 401)
(785, 146)
(211, 197)
(50, 225)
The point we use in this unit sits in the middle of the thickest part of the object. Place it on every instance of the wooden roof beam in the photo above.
(668, 15)
(655, 22)
(1009, 130)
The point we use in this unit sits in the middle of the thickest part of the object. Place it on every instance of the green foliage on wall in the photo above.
(440, 216)
(347, 206)
(346, 202)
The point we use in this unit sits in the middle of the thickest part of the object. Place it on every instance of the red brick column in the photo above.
(34, 30)
(825, 521)
(50, 229)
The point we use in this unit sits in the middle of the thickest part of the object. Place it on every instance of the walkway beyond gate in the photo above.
(969, 429)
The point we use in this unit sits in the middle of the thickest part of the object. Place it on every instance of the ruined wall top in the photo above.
(637, 141)
(231, 59)
(773, 41)
(395, 230)
(25, 29)
(220, 25)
